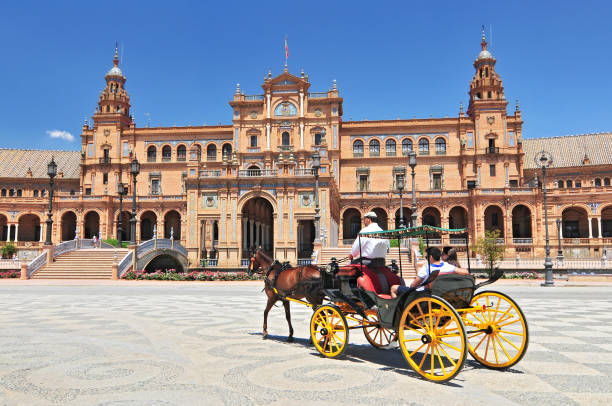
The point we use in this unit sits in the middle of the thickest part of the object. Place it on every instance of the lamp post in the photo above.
(400, 188)
(122, 191)
(413, 162)
(543, 159)
(559, 251)
(51, 171)
(134, 170)
(316, 165)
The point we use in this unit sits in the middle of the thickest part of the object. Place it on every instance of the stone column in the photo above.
(42, 239)
(590, 227)
(268, 136)
(257, 234)
(301, 135)
(600, 232)
(8, 232)
(245, 225)
(16, 232)
(252, 231)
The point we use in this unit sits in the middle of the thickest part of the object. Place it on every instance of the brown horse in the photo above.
(296, 283)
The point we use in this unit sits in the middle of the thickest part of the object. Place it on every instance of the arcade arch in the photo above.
(68, 226)
(494, 219)
(521, 222)
(257, 226)
(351, 224)
(457, 217)
(381, 218)
(91, 224)
(148, 220)
(29, 228)
(575, 223)
(172, 225)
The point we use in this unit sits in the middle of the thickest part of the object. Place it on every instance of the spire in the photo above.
(116, 60)
(484, 39)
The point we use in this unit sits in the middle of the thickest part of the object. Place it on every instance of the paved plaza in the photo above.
(139, 343)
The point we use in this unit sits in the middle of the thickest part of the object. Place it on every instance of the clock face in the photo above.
(253, 114)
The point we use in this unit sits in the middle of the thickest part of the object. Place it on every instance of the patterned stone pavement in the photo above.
(134, 343)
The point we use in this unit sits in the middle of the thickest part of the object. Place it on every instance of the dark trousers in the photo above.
(369, 262)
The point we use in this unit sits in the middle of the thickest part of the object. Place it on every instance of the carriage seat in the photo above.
(370, 280)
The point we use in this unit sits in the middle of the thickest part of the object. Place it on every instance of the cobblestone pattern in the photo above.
(200, 345)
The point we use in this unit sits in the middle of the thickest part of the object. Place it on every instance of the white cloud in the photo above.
(64, 135)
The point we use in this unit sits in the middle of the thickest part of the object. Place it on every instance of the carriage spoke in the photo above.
(502, 347)
(415, 351)
(494, 349)
(451, 346)
(433, 360)
(508, 341)
(480, 342)
(448, 357)
(476, 334)
(440, 361)
(424, 356)
(510, 332)
(508, 323)
(487, 347)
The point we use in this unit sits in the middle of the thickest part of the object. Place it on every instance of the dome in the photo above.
(115, 71)
(484, 54)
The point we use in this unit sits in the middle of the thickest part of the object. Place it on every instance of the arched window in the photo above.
(606, 181)
(440, 146)
(597, 182)
(374, 148)
(211, 152)
(317, 137)
(569, 183)
(181, 153)
(166, 153)
(390, 147)
(151, 154)
(43, 193)
(3, 193)
(358, 148)
(286, 139)
(226, 151)
(12, 192)
(423, 147)
(19, 192)
(35, 192)
(406, 146)
(253, 140)
(560, 184)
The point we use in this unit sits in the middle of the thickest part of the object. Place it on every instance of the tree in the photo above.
(488, 248)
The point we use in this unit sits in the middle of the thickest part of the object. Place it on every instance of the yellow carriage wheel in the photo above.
(329, 331)
(498, 336)
(377, 335)
(432, 338)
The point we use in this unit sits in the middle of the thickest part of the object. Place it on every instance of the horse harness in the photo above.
(277, 271)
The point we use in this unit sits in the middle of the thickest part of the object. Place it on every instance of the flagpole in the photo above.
(286, 53)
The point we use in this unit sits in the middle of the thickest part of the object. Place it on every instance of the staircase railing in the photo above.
(64, 247)
(37, 263)
(160, 243)
(124, 264)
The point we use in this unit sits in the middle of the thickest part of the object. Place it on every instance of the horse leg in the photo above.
(286, 304)
(271, 301)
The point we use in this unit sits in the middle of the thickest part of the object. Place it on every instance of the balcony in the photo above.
(253, 149)
(317, 95)
(253, 97)
(166, 159)
(391, 153)
(105, 160)
(151, 159)
(492, 150)
(210, 173)
(423, 152)
(440, 152)
(406, 151)
(304, 172)
(357, 154)
(257, 173)
(285, 148)
(522, 241)
(374, 153)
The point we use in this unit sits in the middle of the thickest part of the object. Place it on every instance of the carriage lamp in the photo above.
(316, 165)
(413, 163)
(52, 172)
(543, 159)
(135, 170)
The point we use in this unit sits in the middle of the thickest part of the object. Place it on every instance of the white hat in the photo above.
(371, 215)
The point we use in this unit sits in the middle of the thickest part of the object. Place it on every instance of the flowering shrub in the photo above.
(173, 275)
(10, 274)
(523, 275)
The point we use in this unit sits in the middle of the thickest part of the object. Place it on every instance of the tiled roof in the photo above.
(14, 163)
(570, 150)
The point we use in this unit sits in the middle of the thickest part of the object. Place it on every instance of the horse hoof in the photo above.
(264, 335)
(290, 339)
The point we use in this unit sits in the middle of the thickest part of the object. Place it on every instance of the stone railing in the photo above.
(125, 263)
(160, 243)
(37, 263)
(9, 264)
(304, 172)
(304, 261)
(522, 241)
(265, 173)
(244, 262)
(64, 247)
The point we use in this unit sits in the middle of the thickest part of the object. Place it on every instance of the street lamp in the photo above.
(559, 251)
(400, 188)
(122, 191)
(413, 162)
(543, 159)
(51, 171)
(316, 164)
(134, 170)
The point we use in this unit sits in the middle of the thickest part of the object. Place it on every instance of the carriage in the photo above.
(435, 328)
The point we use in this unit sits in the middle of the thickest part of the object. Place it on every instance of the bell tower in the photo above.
(114, 101)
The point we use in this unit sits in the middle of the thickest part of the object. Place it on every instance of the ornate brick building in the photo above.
(222, 189)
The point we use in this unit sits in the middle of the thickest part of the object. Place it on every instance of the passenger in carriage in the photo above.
(423, 271)
(449, 256)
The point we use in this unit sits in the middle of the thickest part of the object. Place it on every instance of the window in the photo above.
(423, 147)
(286, 139)
(471, 184)
(437, 181)
(597, 182)
(514, 183)
(440, 146)
(374, 148)
(181, 153)
(166, 153)
(211, 152)
(358, 148)
(226, 151)
(12, 192)
(19, 192)
(606, 181)
(43, 193)
(578, 183)
(72, 192)
(155, 189)
(560, 184)
(568, 183)
(126, 148)
(390, 147)
(151, 154)
(406, 146)
(492, 170)
(35, 192)
(105, 178)
(363, 183)
(88, 191)
(253, 141)
(488, 95)
(3, 193)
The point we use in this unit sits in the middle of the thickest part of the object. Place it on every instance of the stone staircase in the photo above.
(341, 252)
(95, 263)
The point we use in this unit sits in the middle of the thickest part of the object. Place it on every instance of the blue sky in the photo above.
(390, 59)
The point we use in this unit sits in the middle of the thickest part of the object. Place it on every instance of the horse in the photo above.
(296, 283)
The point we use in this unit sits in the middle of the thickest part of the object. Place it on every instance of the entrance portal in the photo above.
(257, 226)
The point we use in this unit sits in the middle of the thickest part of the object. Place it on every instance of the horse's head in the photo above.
(259, 261)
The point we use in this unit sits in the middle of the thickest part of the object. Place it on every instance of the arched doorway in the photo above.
(521, 222)
(92, 224)
(351, 224)
(126, 226)
(606, 222)
(575, 223)
(494, 219)
(253, 170)
(172, 225)
(148, 220)
(69, 222)
(431, 217)
(3, 227)
(29, 228)
(257, 226)
(165, 263)
(407, 217)
(457, 217)
(381, 218)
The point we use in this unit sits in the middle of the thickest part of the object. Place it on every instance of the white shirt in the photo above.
(370, 247)
(444, 267)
